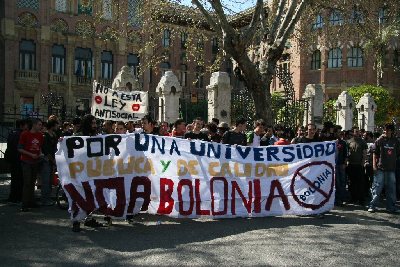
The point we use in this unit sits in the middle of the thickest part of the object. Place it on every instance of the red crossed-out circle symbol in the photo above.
(135, 107)
(299, 176)
(98, 99)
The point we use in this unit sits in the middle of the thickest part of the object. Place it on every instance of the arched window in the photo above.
(355, 57)
(336, 18)
(58, 59)
(335, 58)
(318, 23)
(27, 55)
(106, 65)
(83, 62)
(166, 38)
(316, 60)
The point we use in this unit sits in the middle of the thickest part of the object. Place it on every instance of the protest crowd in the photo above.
(367, 166)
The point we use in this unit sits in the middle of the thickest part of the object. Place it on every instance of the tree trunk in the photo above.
(258, 88)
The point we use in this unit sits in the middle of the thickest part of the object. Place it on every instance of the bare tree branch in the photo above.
(207, 16)
(257, 15)
(219, 11)
(300, 7)
(288, 17)
(278, 18)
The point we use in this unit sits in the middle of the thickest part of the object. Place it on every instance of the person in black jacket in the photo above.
(12, 156)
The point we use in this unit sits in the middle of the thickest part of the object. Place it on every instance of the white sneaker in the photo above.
(371, 210)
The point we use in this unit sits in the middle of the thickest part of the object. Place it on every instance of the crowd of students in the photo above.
(366, 162)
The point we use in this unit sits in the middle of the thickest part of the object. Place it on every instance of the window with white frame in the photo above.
(134, 17)
(355, 57)
(27, 55)
(318, 23)
(184, 37)
(58, 59)
(336, 18)
(316, 60)
(106, 65)
(83, 62)
(166, 42)
(383, 15)
(61, 5)
(107, 9)
(356, 16)
(335, 58)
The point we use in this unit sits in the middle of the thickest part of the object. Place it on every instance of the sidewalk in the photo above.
(5, 182)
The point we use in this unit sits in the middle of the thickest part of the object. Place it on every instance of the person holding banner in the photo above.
(310, 136)
(88, 128)
(196, 133)
(236, 136)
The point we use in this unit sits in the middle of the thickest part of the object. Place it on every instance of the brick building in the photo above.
(338, 64)
(51, 52)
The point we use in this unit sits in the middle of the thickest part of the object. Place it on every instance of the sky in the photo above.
(235, 5)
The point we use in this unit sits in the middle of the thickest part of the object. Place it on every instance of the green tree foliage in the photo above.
(386, 106)
(329, 111)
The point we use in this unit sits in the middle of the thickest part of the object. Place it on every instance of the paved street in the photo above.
(346, 236)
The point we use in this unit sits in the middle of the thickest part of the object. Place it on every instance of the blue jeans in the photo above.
(340, 183)
(387, 179)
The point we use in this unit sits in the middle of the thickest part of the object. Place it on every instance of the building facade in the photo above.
(51, 51)
(341, 62)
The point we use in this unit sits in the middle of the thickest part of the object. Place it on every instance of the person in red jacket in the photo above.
(30, 148)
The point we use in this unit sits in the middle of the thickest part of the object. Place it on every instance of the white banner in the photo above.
(123, 174)
(108, 104)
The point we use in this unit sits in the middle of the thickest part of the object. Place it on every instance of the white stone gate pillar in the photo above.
(168, 91)
(219, 97)
(344, 111)
(366, 108)
(125, 80)
(315, 96)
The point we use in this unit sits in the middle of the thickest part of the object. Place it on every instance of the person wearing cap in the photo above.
(386, 151)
